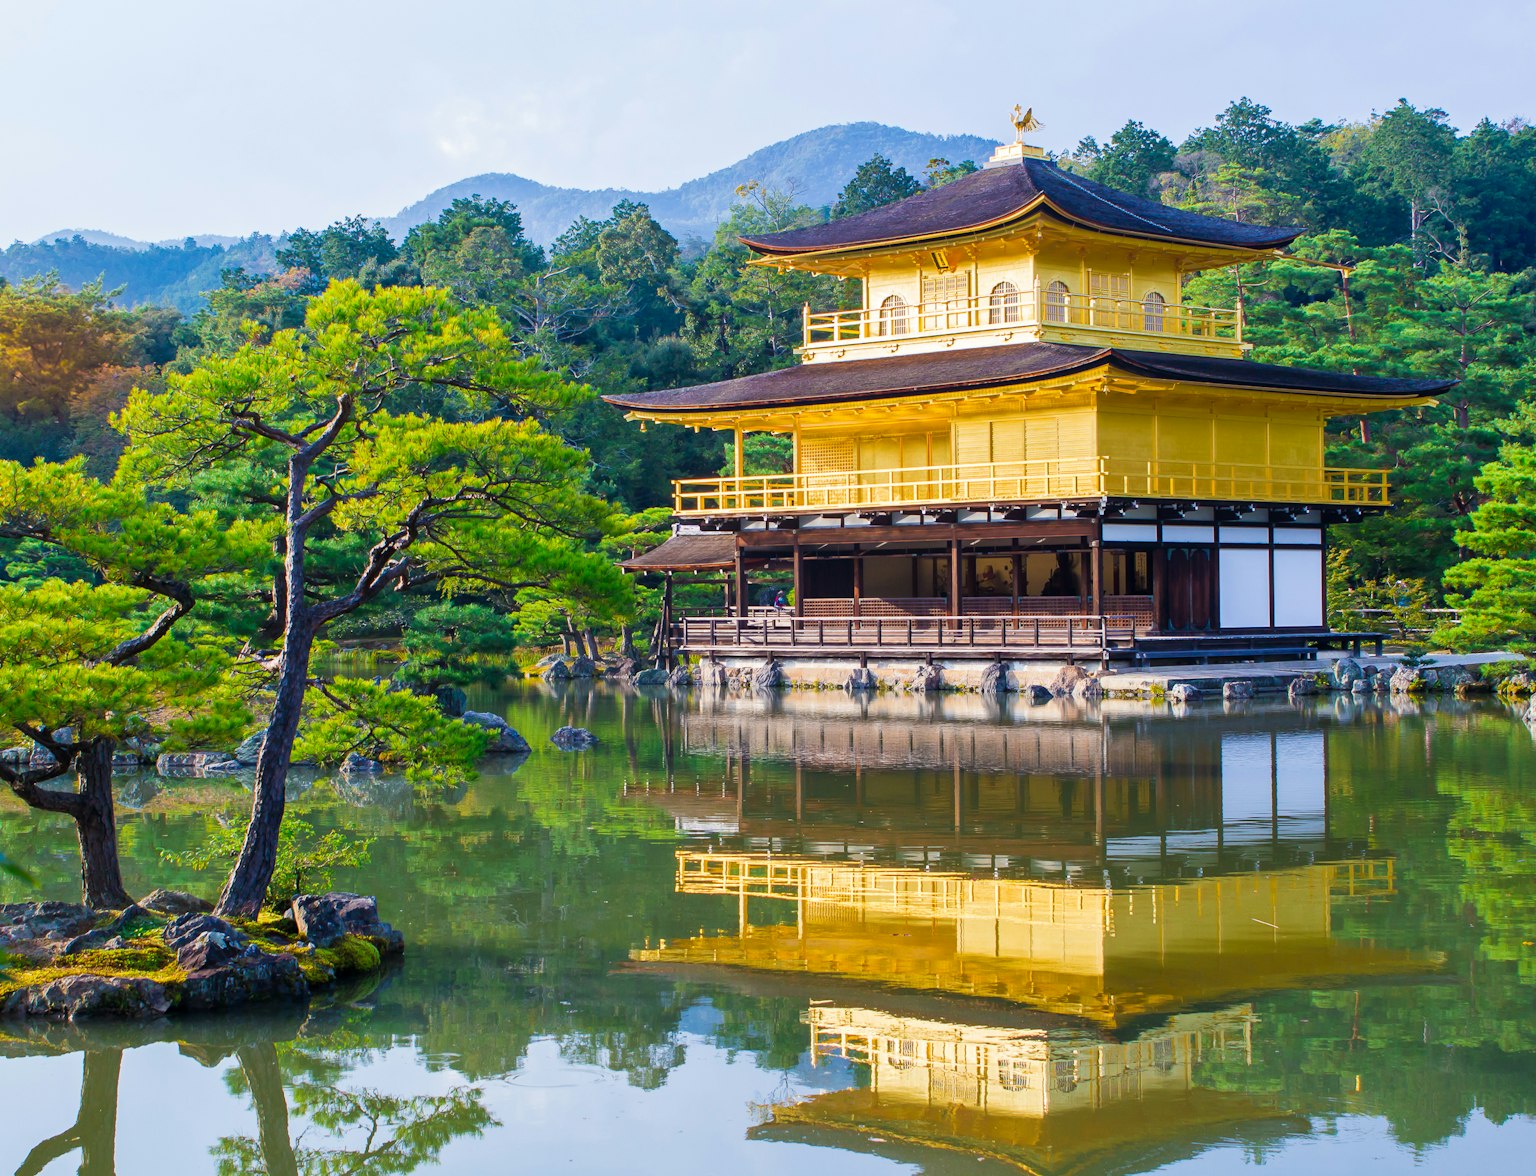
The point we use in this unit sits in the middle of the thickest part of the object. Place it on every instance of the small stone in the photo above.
(1038, 695)
(1237, 691)
(1183, 694)
(573, 739)
(505, 739)
(175, 902)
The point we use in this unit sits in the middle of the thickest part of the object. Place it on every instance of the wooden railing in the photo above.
(1054, 480)
(1089, 633)
(1025, 308)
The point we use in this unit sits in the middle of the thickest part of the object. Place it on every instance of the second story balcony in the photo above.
(1010, 482)
(1046, 314)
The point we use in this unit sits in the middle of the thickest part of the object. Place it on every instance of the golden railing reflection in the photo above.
(1103, 953)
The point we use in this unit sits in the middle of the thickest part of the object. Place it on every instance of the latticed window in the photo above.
(1004, 304)
(1056, 297)
(893, 315)
(1153, 312)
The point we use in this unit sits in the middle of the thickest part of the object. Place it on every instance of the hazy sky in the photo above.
(165, 117)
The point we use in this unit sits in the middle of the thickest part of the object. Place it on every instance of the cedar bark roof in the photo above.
(997, 195)
(701, 552)
(987, 367)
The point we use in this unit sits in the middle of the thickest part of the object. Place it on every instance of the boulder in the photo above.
(547, 660)
(132, 920)
(1038, 695)
(624, 669)
(557, 671)
(324, 918)
(583, 667)
(198, 763)
(451, 701)
(81, 997)
(573, 739)
(1346, 672)
(254, 975)
(1237, 691)
(861, 681)
(994, 680)
(1183, 694)
(212, 949)
(1360, 686)
(1520, 684)
(504, 738)
(184, 930)
(175, 902)
(360, 765)
(1066, 680)
(926, 679)
(1087, 689)
(1302, 687)
(249, 749)
(1465, 684)
(15, 756)
(21, 922)
(1529, 716)
(652, 677)
(1407, 680)
(767, 676)
(680, 678)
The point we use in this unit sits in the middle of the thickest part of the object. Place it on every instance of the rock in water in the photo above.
(926, 679)
(994, 680)
(360, 765)
(246, 753)
(324, 918)
(80, 997)
(583, 667)
(680, 678)
(184, 930)
(1303, 687)
(1038, 695)
(1346, 672)
(713, 675)
(198, 763)
(451, 701)
(504, 738)
(767, 676)
(861, 681)
(651, 677)
(573, 739)
(1407, 681)
(1238, 691)
(557, 671)
(1183, 694)
(1066, 680)
(1088, 689)
(175, 902)
(625, 668)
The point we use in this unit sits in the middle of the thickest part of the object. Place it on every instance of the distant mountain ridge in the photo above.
(814, 166)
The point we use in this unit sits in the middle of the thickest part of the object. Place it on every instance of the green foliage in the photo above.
(1132, 159)
(876, 182)
(455, 644)
(306, 860)
(404, 731)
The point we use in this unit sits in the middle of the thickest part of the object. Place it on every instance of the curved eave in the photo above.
(1041, 203)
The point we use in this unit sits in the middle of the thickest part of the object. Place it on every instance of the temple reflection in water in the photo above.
(1030, 934)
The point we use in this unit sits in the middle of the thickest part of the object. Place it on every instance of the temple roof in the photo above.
(995, 196)
(688, 552)
(990, 367)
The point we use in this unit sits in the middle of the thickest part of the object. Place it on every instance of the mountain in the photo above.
(815, 165)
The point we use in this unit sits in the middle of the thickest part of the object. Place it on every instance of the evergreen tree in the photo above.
(875, 183)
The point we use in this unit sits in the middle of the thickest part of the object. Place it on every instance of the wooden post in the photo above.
(664, 658)
(741, 453)
(799, 566)
(858, 579)
(741, 581)
(954, 577)
(1096, 576)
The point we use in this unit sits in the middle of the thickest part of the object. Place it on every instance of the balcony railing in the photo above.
(1025, 308)
(990, 483)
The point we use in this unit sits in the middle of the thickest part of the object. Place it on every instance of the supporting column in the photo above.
(665, 659)
(954, 577)
(858, 579)
(741, 453)
(741, 580)
(1096, 577)
(799, 569)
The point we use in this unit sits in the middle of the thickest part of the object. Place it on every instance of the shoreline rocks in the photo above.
(574, 739)
(505, 739)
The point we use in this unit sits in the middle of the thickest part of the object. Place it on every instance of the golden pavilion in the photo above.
(1023, 442)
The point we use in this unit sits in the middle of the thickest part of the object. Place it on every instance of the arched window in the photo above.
(1056, 295)
(1153, 309)
(1004, 305)
(893, 315)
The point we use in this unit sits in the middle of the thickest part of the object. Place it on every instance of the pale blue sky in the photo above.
(166, 117)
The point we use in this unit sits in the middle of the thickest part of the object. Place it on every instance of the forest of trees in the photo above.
(1432, 225)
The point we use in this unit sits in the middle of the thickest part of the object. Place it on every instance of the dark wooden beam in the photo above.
(1068, 530)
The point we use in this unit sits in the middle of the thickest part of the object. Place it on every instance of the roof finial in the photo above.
(1023, 121)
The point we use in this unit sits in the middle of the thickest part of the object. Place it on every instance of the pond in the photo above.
(822, 934)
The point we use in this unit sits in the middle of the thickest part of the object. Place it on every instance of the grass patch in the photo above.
(147, 958)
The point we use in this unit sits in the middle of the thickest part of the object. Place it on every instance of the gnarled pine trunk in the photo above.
(101, 875)
(246, 888)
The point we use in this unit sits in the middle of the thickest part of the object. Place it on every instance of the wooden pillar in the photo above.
(1096, 577)
(799, 566)
(741, 581)
(858, 579)
(665, 659)
(954, 577)
(1018, 579)
(741, 453)
(1159, 588)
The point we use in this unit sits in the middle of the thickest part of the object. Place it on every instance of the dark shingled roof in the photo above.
(987, 367)
(998, 194)
(704, 551)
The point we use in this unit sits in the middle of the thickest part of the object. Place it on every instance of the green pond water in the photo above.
(813, 934)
